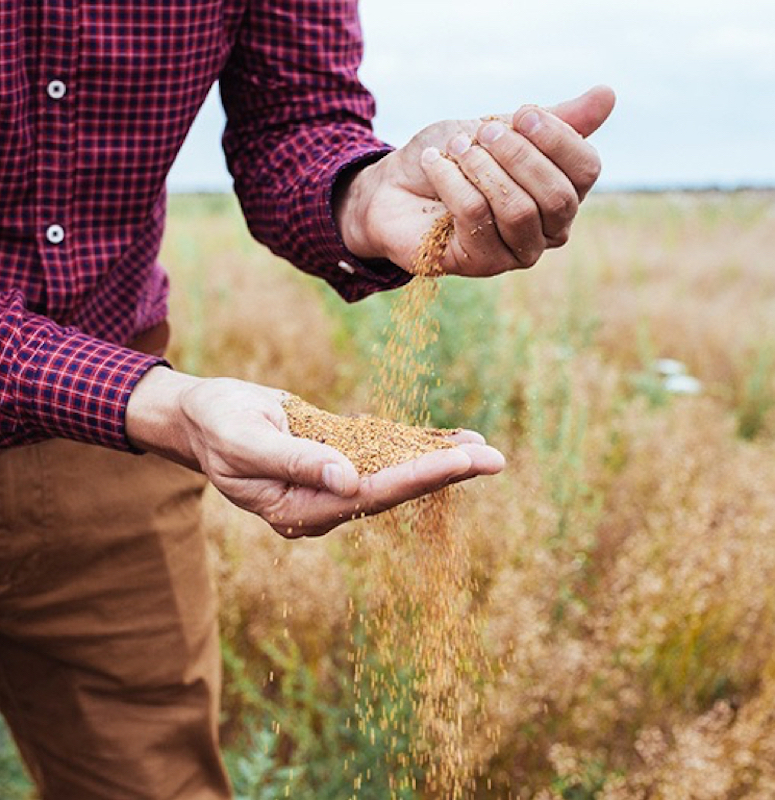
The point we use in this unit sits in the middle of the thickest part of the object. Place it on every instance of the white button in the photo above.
(56, 90)
(349, 268)
(55, 234)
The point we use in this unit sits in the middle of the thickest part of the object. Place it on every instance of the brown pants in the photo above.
(109, 658)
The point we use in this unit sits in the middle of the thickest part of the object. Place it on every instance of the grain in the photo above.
(418, 564)
(369, 442)
(421, 584)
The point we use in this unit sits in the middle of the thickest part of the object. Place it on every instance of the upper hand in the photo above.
(512, 184)
(237, 434)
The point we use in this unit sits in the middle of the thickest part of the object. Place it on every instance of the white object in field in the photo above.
(682, 384)
(668, 366)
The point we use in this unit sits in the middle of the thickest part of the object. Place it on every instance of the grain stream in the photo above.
(421, 622)
(420, 582)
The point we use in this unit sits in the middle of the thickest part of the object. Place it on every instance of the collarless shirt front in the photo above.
(96, 98)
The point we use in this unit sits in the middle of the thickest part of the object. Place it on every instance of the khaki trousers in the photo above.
(109, 657)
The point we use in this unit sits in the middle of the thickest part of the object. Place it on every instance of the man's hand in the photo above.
(237, 434)
(513, 185)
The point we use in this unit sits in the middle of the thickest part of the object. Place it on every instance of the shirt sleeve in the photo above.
(58, 382)
(298, 117)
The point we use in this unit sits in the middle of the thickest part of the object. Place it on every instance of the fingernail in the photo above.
(430, 156)
(459, 145)
(530, 123)
(491, 132)
(333, 478)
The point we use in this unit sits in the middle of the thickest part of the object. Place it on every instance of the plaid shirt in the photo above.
(96, 97)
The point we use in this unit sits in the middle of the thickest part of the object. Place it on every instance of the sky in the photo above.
(695, 81)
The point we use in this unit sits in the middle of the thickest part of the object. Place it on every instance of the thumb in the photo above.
(302, 462)
(588, 112)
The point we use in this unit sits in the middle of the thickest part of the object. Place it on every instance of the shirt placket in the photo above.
(56, 143)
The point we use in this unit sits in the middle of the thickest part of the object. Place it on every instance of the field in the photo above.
(624, 563)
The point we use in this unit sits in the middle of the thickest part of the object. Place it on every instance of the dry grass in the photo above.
(682, 276)
(624, 562)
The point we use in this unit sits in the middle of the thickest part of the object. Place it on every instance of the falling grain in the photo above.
(421, 580)
(418, 556)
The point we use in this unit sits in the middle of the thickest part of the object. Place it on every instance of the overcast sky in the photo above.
(695, 80)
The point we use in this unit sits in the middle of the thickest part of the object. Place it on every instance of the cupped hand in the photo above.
(237, 434)
(512, 183)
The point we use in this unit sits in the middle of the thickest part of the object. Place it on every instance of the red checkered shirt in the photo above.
(96, 98)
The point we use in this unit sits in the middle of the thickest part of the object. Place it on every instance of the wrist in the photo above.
(352, 200)
(155, 419)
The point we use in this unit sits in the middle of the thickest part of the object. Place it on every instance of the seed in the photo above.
(369, 442)
(420, 559)
(418, 554)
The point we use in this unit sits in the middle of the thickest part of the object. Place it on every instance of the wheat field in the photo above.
(624, 562)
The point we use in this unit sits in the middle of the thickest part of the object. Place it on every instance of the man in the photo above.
(108, 639)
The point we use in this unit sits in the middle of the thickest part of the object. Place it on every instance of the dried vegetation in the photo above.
(622, 566)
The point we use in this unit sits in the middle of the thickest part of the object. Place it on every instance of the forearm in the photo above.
(298, 118)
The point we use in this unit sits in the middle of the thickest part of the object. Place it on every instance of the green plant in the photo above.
(586, 785)
(14, 783)
(256, 773)
(473, 363)
(758, 397)
(300, 737)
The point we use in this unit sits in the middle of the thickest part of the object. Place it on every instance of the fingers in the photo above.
(509, 200)
(477, 249)
(561, 145)
(532, 198)
(485, 460)
(302, 511)
(395, 485)
(467, 437)
(514, 189)
(271, 454)
(295, 511)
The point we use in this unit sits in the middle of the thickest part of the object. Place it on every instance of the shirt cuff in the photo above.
(356, 278)
(75, 387)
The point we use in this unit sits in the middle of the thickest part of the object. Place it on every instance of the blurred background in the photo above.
(695, 80)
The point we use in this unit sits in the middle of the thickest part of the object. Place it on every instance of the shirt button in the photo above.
(55, 234)
(348, 268)
(56, 90)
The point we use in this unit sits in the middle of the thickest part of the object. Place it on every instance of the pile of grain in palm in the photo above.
(370, 443)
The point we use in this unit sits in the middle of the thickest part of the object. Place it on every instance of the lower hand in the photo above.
(237, 434)
(512, 184)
